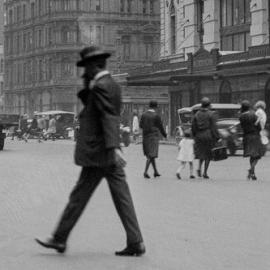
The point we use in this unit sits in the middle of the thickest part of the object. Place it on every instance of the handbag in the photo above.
(219, 153)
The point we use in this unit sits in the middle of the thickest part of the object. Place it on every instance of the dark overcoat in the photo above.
(205, 133)
(99, 120)
(151, 126)
(252, 144)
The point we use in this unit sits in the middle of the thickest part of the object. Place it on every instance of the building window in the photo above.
(235, 25)
(225, 92)
(10, 16)
(144, 11)
(98, 5)
(24, 12)
(65, 35)
(66, 5)
(39, 38)
(126, 47)
(122, 5)
(2, 66)
(173, 29)
(67, 68)
(1, 87)
(152, 7)
(129, 6)
(33, 10)
(91, 35)
(148, 43)
(99, 35)
(235, 12)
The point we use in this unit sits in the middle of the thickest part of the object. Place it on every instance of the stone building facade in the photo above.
(214, 48)
(43, 38)
(1, 78)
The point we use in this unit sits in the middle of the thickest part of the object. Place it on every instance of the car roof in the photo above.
(184, 110)
(219, 106)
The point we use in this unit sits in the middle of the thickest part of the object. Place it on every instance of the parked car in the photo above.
(227, 123)
(64, 122)
(231, 134)
(185, 117)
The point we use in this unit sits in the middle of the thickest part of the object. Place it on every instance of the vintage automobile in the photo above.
(227, 123)
(231, 134)
(64, 122)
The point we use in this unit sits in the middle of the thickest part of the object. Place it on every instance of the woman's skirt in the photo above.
(150, 146)
(204, 143)
(253, 146)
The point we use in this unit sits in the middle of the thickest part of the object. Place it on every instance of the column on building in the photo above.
(176, 26)
(191, 35)
(259, 29)
(211, 24)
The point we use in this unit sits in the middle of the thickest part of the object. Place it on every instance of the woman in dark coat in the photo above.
(205, 135)
(151, 126)
(253, 147)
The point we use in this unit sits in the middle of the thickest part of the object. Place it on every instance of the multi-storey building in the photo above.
(214, 48)
(43, 38)
(1, 78)
(1, 56)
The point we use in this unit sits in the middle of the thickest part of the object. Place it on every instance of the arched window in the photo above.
(173, 28)
(225, 92)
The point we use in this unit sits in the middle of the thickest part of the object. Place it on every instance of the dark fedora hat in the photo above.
(90, 53)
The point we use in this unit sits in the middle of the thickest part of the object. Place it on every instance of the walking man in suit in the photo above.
(98, 152)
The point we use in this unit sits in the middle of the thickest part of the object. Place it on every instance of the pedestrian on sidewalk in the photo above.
(41, 127)
(253, 147)
(186, 154)
(260, 107)
(98, 152)
(151, 126)
(205, 134)
(51, 128)
(135, 127)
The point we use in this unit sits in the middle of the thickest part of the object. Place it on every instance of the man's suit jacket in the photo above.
(99, 124)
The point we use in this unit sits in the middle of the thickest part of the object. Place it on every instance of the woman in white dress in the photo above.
(186, 154)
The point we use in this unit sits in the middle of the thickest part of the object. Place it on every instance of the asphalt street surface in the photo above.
(220, 223)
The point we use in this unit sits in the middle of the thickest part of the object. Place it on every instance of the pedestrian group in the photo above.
(99, 154)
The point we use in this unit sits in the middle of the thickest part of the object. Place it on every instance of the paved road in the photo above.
(222, 223)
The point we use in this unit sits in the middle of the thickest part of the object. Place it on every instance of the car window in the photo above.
(226, 113)
(185, 118)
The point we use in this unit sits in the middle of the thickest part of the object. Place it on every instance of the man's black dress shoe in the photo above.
(156, 174)
(60, 247)
(146, 175)
(137, 249)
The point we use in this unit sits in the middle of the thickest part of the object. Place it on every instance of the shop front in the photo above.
(223, 77)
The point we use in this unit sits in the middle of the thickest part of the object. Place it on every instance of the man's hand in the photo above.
(119, 158)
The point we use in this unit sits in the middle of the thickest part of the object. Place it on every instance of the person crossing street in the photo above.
(98, 153)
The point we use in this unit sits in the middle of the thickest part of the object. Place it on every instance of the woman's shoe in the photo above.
(146, 175)
(156, 174)
(192, 177)
(253, 177)
(205, 176)
(199, 173)
(249, 175)
(178, 176)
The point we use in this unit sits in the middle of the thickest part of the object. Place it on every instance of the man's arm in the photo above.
(109, 118)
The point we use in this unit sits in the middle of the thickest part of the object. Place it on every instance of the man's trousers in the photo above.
(90, 178)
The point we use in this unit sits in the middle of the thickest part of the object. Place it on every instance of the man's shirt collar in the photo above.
(101, 74)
